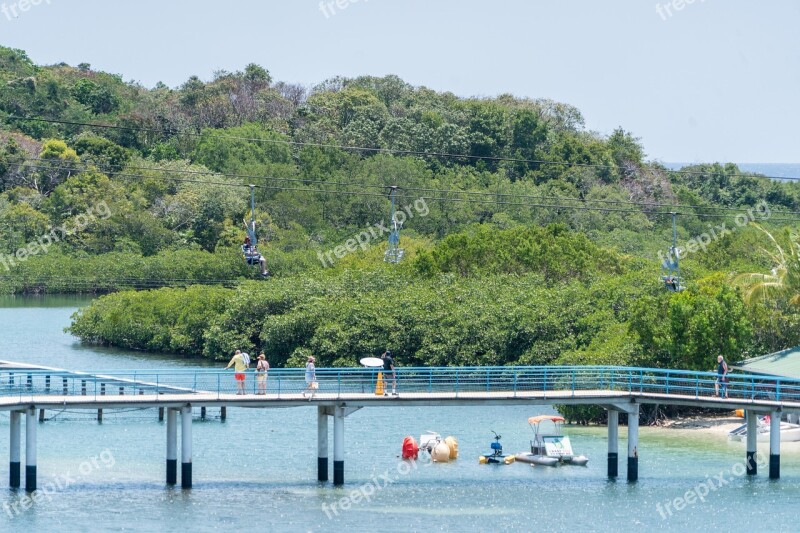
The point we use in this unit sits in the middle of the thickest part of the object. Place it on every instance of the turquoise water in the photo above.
(257, 470)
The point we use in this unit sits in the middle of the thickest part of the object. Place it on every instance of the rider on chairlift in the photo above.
(250, 246)
(253, 257)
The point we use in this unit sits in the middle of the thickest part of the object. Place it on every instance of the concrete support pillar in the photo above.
(752, 439)
(633, 444)
(186, 447)
(41, 415)
(775, 445)
(338, 446)
(160, 414)
(322, 444)
(202, 413)
(14, 450)
(30, 449)
(613, 443)
(172, 447)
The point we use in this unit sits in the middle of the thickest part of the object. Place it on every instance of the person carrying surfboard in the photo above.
(388, 367)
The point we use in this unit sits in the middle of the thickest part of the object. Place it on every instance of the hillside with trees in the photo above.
(540, 242)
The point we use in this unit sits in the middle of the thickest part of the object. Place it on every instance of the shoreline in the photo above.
(705, 424)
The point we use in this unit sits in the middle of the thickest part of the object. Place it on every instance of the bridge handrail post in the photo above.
(430, 380)
(488, 387)
(697, 387)
(457, 382)
(544, 385)
(339, 382)
(641, 381)
(515, 382)
(777, 390)
(752, 388)
(630, 381)
(667, 382)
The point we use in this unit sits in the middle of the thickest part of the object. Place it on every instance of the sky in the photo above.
(697, 81)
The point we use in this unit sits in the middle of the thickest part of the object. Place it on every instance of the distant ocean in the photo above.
(775, 170)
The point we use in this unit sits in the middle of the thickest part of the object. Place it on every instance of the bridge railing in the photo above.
(557, 381)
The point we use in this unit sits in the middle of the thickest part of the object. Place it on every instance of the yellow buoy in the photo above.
(482, 460)
(452, 443)
(509, 459)
(379, 385)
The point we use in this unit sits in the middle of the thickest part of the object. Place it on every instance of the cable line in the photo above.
(445, 155)
(490, 197)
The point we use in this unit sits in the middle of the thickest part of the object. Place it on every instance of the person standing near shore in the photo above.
(722, 377)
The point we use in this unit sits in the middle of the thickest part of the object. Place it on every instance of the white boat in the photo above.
(789, 432)
(550, 447)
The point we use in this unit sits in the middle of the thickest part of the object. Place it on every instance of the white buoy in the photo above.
(441, 453)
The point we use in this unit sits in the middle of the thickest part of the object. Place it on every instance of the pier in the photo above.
(26, 390)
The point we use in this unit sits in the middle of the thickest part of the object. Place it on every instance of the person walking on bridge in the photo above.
(311, 377)
(722, 377)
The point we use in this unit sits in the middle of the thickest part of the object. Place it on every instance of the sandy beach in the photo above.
(711, 424)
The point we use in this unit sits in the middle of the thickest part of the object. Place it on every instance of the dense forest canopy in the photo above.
(540, 242)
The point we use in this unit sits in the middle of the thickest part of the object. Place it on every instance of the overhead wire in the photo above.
(418, 153)
(490, 197)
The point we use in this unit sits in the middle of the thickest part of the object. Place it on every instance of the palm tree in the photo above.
(784, 278)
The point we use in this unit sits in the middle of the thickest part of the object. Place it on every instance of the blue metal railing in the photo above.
(461, 381)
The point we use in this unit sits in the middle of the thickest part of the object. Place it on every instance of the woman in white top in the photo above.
(261, 373)
(311, 377)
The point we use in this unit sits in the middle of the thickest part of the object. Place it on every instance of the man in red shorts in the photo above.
(239, 364)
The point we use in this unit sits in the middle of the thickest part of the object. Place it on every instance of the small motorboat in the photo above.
(497, 457)
(789, 432)
(550, 447)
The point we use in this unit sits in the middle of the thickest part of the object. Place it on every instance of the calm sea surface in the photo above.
(774, 170)
(257, 470)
